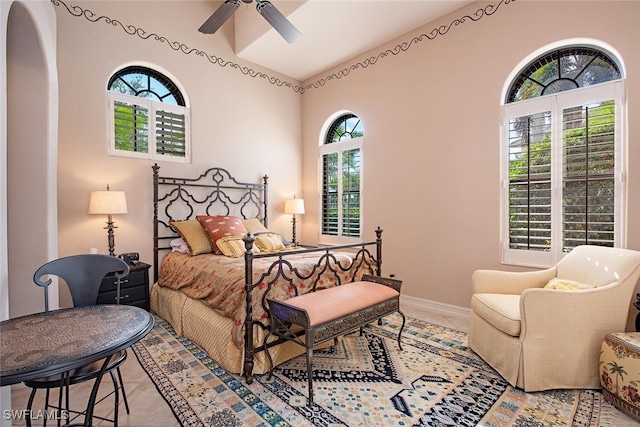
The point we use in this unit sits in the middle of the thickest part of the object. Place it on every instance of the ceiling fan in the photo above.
(264, 7)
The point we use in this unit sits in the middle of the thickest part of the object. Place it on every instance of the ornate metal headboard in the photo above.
(215, 192)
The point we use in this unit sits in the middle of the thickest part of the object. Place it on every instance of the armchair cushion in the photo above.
(567, 285)
(501, 310)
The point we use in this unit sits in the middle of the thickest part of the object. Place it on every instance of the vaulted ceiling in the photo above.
(333, 30)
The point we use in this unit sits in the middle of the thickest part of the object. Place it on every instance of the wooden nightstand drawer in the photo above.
(127, 296)
(134, 288)
(135, 278)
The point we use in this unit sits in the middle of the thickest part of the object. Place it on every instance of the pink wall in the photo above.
(244, 124)
(432, 142)
(431, 117)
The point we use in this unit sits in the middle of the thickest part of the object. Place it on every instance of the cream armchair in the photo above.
(540, 339)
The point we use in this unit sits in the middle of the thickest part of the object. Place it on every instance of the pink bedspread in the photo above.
(219, 281)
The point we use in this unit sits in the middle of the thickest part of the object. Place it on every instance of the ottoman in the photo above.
(620, 371)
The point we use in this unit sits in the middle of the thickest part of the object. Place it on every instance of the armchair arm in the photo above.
(546, 313)
(561, 332)
(509, 282)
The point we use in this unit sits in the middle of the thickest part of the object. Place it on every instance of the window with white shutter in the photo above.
(341, 184)
(563, 171)
(148, 116)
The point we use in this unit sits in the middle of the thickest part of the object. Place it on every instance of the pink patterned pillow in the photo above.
(219, 226)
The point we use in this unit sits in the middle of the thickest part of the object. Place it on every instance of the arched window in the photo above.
(149, 118)
(563, 69)
(341, 160)
(562, 139)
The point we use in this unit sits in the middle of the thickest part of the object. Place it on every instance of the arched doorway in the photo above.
(30, 155)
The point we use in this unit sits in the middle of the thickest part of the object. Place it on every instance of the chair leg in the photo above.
(30, 405)
(116, 398)
(66, 380)
(124, 395)
(46, 404)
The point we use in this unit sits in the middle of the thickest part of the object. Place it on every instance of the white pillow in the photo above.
(179, 245)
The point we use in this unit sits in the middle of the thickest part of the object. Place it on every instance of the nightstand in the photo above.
(134, 289)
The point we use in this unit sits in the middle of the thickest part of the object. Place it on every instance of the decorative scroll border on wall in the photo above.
(132, 30)
(403, 47)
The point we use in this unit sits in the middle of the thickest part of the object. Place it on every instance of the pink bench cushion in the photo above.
(333, 303)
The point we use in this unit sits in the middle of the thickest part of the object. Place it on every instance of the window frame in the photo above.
(152, 107)
(556, 103)
(339, 147)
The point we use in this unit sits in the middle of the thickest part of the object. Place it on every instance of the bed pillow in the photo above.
(233, 246)
(194, 235)
(220, 226)
(254, 225)
(269, 242)
(179, 245)
(567, 285)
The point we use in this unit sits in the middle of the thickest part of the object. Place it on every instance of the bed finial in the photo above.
(265, 201)
(378, 251)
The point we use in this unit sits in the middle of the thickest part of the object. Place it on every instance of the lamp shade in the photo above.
(294, 206)
(107, 202)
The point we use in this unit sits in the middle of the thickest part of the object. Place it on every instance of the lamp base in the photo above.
(111, 236)
(294, 242)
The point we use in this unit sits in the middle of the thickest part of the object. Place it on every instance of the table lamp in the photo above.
(108, 203)
(294, 207)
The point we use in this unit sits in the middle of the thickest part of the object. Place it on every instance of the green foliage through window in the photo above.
(341, 183)
(564, 148)
(563, 69)
(149, 114)
(588, 173)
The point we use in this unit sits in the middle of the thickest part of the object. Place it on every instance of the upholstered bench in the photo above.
(620, 372)
(329, 313)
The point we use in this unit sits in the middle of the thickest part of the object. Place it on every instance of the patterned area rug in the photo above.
(363, 381)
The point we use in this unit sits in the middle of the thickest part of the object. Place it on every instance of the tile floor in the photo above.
(149, 409)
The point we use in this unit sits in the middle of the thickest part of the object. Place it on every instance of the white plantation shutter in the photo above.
(341, 181)
(136, 133)
(588, 175)
(330, 194)
(171, 131)
(351, 193)
(131, 126)
(341, 193)
(530, 182)
(563, 174)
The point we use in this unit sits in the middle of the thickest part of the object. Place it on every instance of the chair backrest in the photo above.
(83, 275)
(600, 265)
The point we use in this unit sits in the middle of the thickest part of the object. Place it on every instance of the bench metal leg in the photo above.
(309, 345)
(266, 350)
(401, 329)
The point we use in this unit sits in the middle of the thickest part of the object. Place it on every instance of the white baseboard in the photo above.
(441, 308)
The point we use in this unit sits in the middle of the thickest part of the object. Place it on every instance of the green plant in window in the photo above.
(131, 124)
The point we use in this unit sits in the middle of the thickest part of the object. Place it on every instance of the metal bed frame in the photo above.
(217, 192)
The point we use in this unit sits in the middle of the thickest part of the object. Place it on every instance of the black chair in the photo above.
(83, 275)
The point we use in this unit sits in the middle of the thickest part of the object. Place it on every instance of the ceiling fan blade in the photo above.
(278, 21)
(219, 17)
